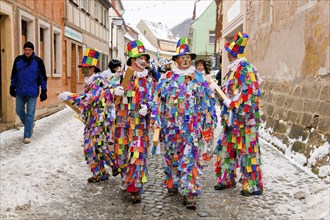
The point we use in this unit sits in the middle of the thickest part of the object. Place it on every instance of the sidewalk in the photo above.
(47, 179)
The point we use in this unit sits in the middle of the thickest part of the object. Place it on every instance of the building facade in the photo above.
(60, 31)
(86, 25)
(202, 33)
(289, 44)
(40, 22)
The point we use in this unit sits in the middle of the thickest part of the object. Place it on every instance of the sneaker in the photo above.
(27, 140)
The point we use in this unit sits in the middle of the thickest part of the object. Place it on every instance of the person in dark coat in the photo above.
(27, 77)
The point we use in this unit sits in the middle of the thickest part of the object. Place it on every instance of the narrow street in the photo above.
(47, 179)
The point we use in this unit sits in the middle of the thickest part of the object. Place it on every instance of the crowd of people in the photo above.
(122, 107)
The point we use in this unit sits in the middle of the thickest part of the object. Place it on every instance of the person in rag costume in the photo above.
(185, 107)
(238, 144)
(135, 95)
(98, 114)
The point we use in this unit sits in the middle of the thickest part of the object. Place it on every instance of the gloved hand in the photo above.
(12, 91)
(43, 95)
(213, 86)
(227, 102)
(64, 96)
(143, 110)
(119, 91)
(155, 125)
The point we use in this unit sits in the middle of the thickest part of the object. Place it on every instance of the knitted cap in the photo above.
(28, 45)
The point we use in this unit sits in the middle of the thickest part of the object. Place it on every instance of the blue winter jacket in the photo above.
(28, 75)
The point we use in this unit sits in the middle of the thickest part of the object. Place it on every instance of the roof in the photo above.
(160, 31)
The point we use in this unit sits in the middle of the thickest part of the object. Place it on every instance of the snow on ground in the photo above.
(29, 172)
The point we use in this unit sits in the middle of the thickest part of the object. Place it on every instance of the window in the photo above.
(99, 14)
(75, 1)
(85, 5)
(211, 37)
(44, 44)
(26, 30)
(104, 17)
(57, 52)
(96, 10)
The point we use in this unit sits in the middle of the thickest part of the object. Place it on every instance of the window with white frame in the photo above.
(96, 10)
(99, 14)
(75, 1)
(57, 52)
(104, 17)
(44, 44)
(85, 5)
(211, 37)
(26, 29)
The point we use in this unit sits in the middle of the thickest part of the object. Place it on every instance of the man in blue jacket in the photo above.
(27, 76)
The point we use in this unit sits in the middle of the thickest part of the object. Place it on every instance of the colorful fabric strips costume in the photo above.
(238, 144)
(132, 129)
(185, 102)
(97, 107)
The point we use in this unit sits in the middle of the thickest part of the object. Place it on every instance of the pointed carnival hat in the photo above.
(182, 48)
(91, 58)
(135, 49)
(237, 46)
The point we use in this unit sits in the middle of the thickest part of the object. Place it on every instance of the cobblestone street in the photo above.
(62, 192)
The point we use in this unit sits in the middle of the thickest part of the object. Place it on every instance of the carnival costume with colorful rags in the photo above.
(132, 129)
(97, 107)
(185, 106)
(238, 144)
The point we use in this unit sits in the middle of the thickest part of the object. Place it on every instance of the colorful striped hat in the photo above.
(237, 46)
(182, 48)
(135, 49)
(91, 58)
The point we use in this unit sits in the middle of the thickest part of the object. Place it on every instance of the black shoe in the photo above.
(136, 197)
(96, 179)
(173, 191)
(189, 202)
(221, 186)
(247, 193)
(115, 172)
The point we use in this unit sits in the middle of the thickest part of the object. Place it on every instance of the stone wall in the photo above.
(298, 114)
(290, 45)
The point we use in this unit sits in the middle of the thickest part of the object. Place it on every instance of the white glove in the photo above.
(143, 110)
(227, 102)
(119, 91)
(213, 86)
(64, 96)
(155, 125)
